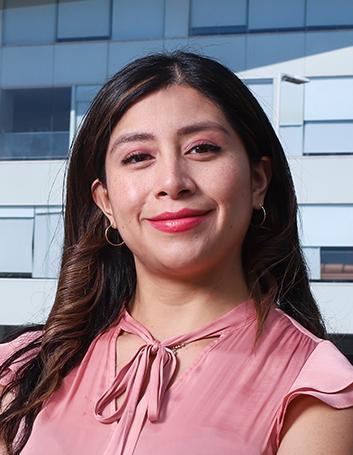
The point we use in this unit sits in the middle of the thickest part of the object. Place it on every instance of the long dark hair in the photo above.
(96, 280)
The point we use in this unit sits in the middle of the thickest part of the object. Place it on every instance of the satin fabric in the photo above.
(232, 399)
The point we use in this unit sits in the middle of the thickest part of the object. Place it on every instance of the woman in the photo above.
(183, 320)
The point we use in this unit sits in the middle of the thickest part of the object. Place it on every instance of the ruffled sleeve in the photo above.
(7, 349)
(326, 375)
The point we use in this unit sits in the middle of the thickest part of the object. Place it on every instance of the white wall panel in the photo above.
(27, 66)
(326, 225)
(16, 212)
(31, 183)
(16, 245)
(25, 301)
(137, 19)
(31, 23)
(276, 14)
(323, 179)
(335, 301)
(83, 19)
(291, 104)
(84, 63)
(329, 99)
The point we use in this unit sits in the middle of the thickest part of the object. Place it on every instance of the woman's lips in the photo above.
(178, 224)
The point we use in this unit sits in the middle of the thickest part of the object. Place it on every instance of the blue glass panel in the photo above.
(276, 14)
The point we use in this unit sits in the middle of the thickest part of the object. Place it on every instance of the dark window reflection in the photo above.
(337, 264)
(35, 123)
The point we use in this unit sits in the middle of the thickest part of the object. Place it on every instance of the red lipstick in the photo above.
(179, 221)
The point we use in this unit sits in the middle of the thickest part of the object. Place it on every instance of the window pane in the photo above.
(35, 123)
(312, 258)
(263, 92)
(292, 139)
(84, 97)
(150, 22)
(16, 246)
(83, 19)
(215, 15)
(328, 137)
(326, 99)
(337, 264)
(48, 242)
(29, 24)
(328, 12)
(276, 14)
(336, 219)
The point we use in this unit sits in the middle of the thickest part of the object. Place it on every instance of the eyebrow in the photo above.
(183, 131)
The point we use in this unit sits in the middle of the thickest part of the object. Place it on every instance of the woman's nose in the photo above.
(173, 178)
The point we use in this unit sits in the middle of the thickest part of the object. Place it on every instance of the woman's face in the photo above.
(174, 149)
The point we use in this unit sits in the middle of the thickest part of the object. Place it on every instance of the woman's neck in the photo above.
(169, 307)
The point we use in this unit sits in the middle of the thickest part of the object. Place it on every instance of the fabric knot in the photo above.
(155, 345)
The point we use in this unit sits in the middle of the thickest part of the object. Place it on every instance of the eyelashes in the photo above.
(205, 147)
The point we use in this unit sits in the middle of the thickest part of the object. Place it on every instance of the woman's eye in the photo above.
(134, 158)
(200, 148)
(206, 148)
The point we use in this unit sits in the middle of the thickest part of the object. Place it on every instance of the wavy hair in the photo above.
(96, 280)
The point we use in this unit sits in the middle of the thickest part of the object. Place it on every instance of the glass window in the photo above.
(328, 138)
(312, 258)
(328, 119)
(150, 23)
(84, 95)
(276, 14)
(327, 12)
(291, 137)
(262, 89)
(48, 243)
(29, 22)
(223, 16)
(83, 19)
(16, 247)
(337, 264)
(335, 105)
(326, 224)
(34, 123)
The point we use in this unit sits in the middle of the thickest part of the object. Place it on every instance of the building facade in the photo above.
(296, 57)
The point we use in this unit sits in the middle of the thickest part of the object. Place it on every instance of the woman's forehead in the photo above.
(174, 107)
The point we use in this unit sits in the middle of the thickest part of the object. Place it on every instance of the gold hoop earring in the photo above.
(263, 217)
(107, 238)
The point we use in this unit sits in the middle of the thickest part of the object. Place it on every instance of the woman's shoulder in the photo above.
(9, 348)
(283, 322)
(324, 372)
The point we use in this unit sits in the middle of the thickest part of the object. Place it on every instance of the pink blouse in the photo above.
(232, 399)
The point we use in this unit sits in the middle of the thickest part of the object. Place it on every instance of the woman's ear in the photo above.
(101, 198)
(261, 177)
